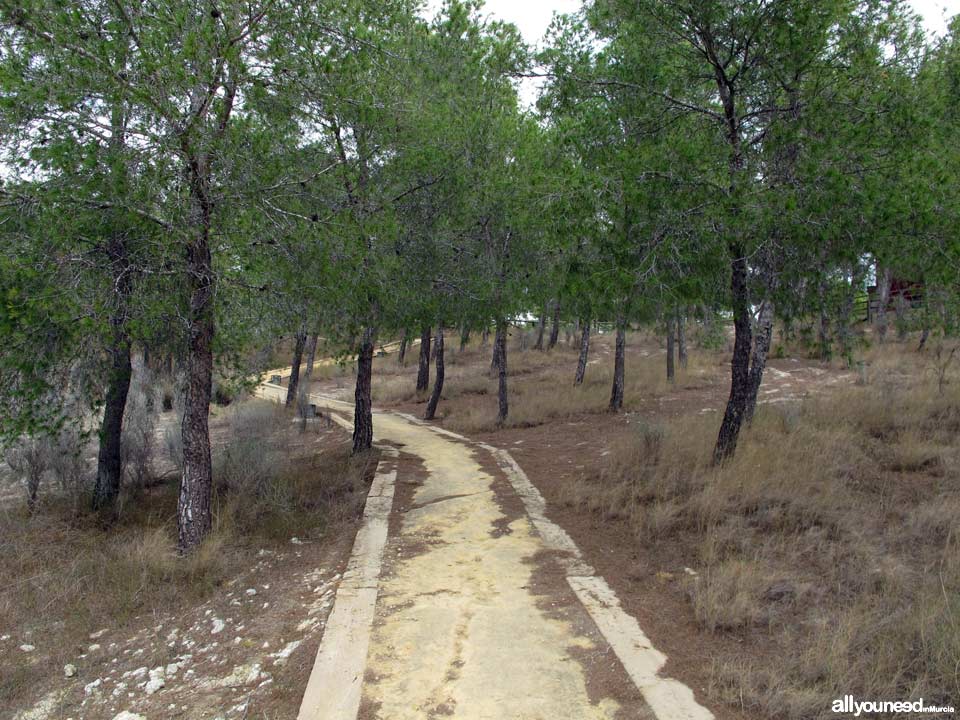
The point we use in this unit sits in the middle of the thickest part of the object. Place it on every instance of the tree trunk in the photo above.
(682, 339)
(900, 308)
(758, 361)
(541, 328)
(671, 339)
(823, 324)
(464, 336)
(423, 374)
(883, 298)
(303, 395)
(925, 333)
(106, 490)
(438, 381)
(300, 341)
(196, 484)
(501, 359)
(740, 364)
(497, 340)
(584, 352)
(616, 392)
(555, 327)
(402, 353)
(363, 405)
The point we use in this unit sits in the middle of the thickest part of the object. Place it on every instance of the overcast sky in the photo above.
(533, 16)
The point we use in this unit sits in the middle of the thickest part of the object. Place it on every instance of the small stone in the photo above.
(92, 686)
(94, 647)
(251, 591)
(296, 541)
(127, 715)
(218, 626)
(69, 670)
(99, 634)
(27, 648)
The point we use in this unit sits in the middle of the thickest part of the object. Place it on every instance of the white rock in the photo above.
(156, 682)
(127, 715)
(69, 670)
(281, 657)
(93, 648)
(99, 634)
(90, 687)
(172, 669)
(251, 591)
(296, 541)
(218, 626)
(4, 637)
(172, 635)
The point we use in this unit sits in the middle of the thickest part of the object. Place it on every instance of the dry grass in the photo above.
(833, 534)
(540, 383)
(67, 576)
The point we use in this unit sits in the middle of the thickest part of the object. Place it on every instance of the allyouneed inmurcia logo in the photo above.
(848, 705)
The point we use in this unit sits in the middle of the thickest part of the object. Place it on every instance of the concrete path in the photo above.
(474, 605)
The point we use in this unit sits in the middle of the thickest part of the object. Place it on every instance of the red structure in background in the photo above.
(910, 290)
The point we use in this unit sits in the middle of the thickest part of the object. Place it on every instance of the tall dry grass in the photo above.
(833, 534)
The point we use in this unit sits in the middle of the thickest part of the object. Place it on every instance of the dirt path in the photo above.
(483, 608)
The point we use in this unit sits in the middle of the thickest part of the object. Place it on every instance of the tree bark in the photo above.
(671, 339)
(616, 392)
(484, 337)
(402, 353)
(106, 490)
(584, 352)
(196, 484)
(540, 329)
(740, 364)
(300, 341)
(500, 336)
(423, 373)
(438, 380)
(501, 360)
(758, 360)
(883, 296)
(303, 394)
(555, 327)
(682, 339)
(363, 405)
(464, 336)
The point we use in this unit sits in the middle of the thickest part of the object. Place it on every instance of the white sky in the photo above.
(533, 16)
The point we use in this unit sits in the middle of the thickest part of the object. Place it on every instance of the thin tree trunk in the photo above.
(438, 380)
(900, 308)
(402, 354)
(106, 490)
(464, 336)
(682, 339)
(484, 337)
(541, 328)
(671, 341)
(501, 358)
(883, 296)
(196, 484)
(423, 373)
(363, 404)
(616, 392)
(303, 395)
(740, 364)
(300, 342)
(823, 323)
(555, 327)
(584, 352)
(923, 336)
(758, 360)
(499, 338)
